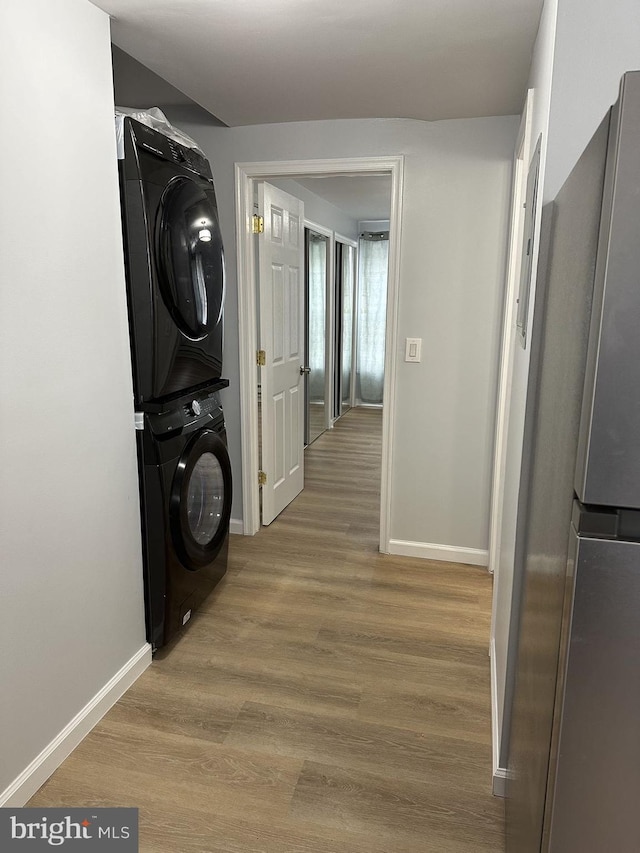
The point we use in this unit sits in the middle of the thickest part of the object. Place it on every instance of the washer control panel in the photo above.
(202, 406)
(198, 412)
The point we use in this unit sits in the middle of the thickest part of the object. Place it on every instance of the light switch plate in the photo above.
(412, 349)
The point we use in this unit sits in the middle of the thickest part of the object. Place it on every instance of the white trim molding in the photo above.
(43, 765)
(320, 229)
(499, 564)
(500, 778)
(245, 176)
(499, 774)
(444, 553)
(518, 196)
(236, 526)
(340, 238)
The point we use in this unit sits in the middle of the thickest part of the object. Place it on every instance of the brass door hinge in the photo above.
(257, 224)
(261, 357)
(262, 478)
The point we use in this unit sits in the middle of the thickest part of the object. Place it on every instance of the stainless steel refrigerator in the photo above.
(574, 780)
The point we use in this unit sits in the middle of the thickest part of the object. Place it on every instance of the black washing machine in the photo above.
(185, 484)
(174, 262)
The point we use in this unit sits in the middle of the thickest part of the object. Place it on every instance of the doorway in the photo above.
(247, 174)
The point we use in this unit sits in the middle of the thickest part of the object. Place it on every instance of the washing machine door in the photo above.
(200, 505)
(190, 256)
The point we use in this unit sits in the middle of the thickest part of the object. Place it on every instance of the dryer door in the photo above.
(200, 505)
(190, 257)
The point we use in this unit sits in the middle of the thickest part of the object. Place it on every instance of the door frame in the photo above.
(518, 195)
(347, 241)
(522, 154)
(245, 176)
(328, 316)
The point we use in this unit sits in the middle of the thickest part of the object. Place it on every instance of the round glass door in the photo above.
(200, 505)
(205, 499)
(190, 257)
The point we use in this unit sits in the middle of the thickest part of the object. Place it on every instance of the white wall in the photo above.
(373, 225)
(318, 209)
(71, 581)
(457, 176)
(454, 245)
(597, 41)
(504, 631)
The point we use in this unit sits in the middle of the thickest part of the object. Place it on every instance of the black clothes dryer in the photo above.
(185, 485)
(174, 262)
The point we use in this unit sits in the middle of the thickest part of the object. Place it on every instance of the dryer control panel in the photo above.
(148, 139)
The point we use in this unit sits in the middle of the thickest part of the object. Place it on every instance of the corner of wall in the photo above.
(52, 756)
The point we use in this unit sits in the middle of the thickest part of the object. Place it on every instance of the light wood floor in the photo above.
(328, 699)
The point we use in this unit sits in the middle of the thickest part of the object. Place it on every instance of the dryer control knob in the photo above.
(196, 408)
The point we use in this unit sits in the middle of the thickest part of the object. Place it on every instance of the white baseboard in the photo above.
(447, 553)
(236, 525)
(360, 405)
(500, 776)
(43, 765)
(499, 773)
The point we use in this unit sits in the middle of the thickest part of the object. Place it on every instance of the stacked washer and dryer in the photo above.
(175, 286)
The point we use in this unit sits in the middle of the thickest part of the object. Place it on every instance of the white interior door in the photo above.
(281, 288)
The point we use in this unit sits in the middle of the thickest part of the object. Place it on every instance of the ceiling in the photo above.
(134, 84)
(298, 60)
(360, 197)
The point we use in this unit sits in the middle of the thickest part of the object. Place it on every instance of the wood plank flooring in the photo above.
(327, 698)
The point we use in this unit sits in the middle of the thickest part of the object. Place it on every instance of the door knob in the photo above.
(304, 370)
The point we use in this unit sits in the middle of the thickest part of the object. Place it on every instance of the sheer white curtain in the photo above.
(372, 313)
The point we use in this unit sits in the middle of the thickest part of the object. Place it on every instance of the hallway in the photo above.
(327, 699)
